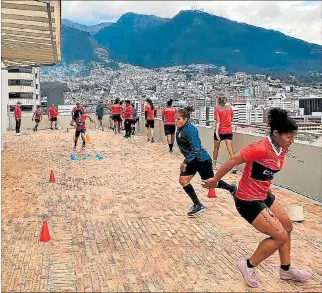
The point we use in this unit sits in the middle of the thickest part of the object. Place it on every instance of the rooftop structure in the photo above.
(30, 32)
(120, 224)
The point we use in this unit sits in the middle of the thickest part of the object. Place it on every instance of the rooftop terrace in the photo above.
(120, 224)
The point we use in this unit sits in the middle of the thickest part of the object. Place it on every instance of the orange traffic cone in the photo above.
(52, 177)
(212, 193)
(44, 237)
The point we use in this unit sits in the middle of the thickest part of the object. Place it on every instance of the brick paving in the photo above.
(120, 224)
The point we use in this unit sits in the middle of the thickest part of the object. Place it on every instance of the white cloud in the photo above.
(299, 19)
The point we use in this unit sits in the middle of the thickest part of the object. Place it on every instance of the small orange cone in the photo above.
(212, 193)
(52, 177)
(88, 139)
(44, 237)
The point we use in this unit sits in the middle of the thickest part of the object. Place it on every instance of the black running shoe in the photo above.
(192, 207)
(198, 209)
(152, 139)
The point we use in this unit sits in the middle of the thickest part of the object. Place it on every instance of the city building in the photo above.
(311, 104)
(24, 87)
(20, 23)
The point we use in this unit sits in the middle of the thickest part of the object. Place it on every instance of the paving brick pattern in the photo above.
(120, 224)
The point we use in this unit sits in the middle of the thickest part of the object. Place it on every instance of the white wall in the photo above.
(4, 102)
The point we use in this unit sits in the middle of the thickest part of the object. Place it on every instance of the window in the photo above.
(36, 75)
(36, 86)
(37, 96)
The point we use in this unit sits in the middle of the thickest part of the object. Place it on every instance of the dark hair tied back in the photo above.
(279, 120)
(185, 112)
(169, 103)
(150, 103)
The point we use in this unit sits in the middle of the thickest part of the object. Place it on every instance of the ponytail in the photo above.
(279, 120)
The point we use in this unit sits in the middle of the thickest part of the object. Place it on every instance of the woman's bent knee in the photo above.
(281, 238)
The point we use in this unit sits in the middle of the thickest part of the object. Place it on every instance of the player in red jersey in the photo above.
(127, 115)
(255, 202)
(17, 114)
(79, 118)
(52, 115)
(38, 116)
(168, 118)
(223, 116)
(115, 113)
(150, 113)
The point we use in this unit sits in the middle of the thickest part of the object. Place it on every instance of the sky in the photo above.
(299, 19)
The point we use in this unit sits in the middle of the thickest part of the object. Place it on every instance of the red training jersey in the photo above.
(128, 112)
(52, 111)
(224, 115)
(148, 109)
(116, 109)
(168, 115)
(262, 162)
(17, 112)
(80, 122)
(38, 114)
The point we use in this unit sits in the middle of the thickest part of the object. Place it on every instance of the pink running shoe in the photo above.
(295, 275)
(249, 274)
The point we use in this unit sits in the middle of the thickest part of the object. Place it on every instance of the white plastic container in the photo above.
(295, 212)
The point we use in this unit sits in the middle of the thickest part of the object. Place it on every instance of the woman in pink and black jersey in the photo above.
(79, 118)
(38, 116)
(223, 116)
(255, 202)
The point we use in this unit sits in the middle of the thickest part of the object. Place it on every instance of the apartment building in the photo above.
(24, 87)
(245, 113)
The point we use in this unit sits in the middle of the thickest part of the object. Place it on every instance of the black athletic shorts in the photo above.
(99, 117)
(149, 123)
(53, 119)
(228, 136)
(169, 129)
(37, 120)
(77, 133)
(116, 117)
(250, 209)
(204, 168)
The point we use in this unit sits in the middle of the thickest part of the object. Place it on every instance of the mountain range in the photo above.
(189, 37)
(93, 29)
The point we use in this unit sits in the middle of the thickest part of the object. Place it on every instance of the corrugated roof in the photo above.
(30, 32)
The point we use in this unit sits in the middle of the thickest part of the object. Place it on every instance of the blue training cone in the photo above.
(73, 157)
(99, 156)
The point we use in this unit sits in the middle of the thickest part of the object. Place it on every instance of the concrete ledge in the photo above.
(303, 178)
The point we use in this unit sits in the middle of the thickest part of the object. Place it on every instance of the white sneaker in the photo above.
(17, 134)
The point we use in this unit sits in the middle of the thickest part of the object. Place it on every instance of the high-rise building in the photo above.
(244, 113)
(24, 87)
(311, 104)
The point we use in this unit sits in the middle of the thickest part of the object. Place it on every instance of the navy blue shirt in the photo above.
(189, 143)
